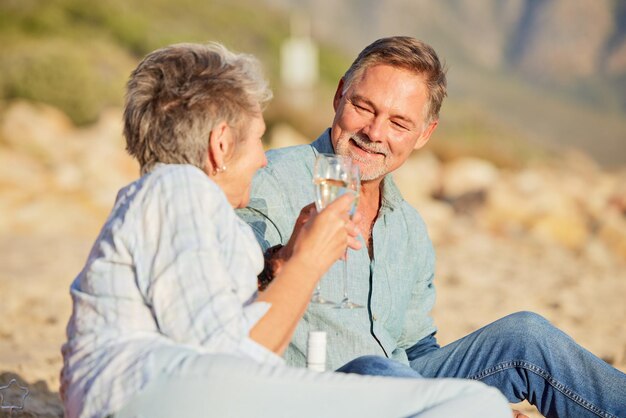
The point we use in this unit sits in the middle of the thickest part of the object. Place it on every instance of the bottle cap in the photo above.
(316, 351)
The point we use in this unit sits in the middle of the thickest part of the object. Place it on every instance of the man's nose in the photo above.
(375, 129)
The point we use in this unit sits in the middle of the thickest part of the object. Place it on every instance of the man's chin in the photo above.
(371, 174)
(369, 163)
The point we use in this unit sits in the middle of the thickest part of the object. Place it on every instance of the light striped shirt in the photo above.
(172, 267)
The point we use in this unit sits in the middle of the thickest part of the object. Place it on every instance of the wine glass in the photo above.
(331, 176)
(354, 186)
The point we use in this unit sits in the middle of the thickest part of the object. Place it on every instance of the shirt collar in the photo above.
(391, 196)
(323, 144)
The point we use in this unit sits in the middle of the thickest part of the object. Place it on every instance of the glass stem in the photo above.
(345, 276)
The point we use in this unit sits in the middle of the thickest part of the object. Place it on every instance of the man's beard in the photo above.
(370, 170)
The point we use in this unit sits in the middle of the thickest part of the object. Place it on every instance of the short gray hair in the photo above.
(410, 54)
(179, 93)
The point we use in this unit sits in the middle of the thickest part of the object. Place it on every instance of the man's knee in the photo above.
(525, 324)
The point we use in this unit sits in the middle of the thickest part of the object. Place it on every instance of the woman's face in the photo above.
(248, 157)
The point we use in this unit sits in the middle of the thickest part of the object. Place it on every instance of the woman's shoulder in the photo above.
(173, 173)
(182, 187)
(180, 179)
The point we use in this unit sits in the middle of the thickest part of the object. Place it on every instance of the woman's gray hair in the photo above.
(410, 54)
(179, 93)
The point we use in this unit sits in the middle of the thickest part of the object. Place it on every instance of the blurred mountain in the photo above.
(561, 42)
(550, 71)
(525, 76)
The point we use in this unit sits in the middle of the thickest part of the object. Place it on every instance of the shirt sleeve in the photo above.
(194, 298)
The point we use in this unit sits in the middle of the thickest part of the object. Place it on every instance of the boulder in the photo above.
(419, 177)
(467, 175)
(36, 129)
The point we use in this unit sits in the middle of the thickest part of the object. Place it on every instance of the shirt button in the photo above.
(374, 317)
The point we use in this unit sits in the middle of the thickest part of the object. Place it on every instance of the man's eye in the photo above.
(400, 125)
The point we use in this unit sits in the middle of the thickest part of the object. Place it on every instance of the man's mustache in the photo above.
(365, 143)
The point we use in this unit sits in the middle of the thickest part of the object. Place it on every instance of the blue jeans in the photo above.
(526, 358)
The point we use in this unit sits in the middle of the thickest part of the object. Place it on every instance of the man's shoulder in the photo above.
(289, 155)
(290, 162)
(409, 213)
(286, 176)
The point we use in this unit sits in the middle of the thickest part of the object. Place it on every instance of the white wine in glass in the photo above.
(327, 190)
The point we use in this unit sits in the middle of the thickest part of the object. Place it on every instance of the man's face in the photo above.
(380, 119)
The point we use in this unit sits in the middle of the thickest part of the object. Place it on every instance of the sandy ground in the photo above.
(37, 270)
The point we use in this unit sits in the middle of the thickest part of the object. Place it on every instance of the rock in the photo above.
(613, 233)
(438, 216)
(566, 229)
(22, 171)
(597, 253)
(467, 175)
(419, 177)
(536, 201)
(617, 196)
(35, 129)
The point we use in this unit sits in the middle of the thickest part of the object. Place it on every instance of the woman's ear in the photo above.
(220, 147)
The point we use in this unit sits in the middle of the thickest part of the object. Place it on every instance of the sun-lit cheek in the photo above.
(352, 118)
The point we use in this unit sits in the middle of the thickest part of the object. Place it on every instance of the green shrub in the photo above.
(77, 77)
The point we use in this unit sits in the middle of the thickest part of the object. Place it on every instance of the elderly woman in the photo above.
(167, 319)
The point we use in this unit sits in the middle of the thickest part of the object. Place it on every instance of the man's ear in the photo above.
(425, 136)
(338, 94)
(220, 146)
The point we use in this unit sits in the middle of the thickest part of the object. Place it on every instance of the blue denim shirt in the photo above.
(396, 285)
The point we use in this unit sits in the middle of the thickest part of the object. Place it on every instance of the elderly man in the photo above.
(387, 105)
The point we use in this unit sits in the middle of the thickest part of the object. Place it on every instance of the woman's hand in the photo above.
(308, 214)
(320, 239)
(323, 237)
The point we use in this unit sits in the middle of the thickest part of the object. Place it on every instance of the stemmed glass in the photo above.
(354, 185)
(333, 176)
